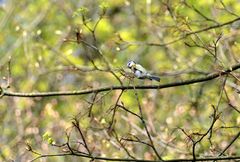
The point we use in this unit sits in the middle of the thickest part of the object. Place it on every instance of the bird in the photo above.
(140, 72)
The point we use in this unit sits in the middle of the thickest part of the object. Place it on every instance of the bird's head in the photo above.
(131, 64)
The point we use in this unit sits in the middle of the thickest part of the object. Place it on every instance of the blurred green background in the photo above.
(38, 39)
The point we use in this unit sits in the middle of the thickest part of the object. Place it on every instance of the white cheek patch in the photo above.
(130, 64)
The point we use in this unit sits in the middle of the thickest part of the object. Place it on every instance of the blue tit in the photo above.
(140, 72)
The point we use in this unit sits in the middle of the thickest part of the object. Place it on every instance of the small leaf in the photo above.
(80, 11)
(104, 5)
(45, 136)
(50, 140)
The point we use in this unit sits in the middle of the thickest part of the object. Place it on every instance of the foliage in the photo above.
(49, 46)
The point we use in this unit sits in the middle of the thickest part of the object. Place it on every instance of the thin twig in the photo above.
(187, 34)
(9, 78)
(124, 108)
(91, 104)
(227, 10)
(145, 125)
(76, 124)
(200, 13)
(115, 109)
(228, 146)
(122, 145)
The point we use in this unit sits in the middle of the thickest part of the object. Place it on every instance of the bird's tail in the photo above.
(153, 77)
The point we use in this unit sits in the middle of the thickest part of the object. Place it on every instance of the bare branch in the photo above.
(188, 34)
(229, 145)
(114, 110)
(77, 126)
(103, 89)
(136, 160)
(145, 125)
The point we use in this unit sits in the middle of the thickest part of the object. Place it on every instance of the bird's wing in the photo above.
(140, 68)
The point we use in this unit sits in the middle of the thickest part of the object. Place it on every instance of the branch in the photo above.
(199, 12)
(232, 141)
(114, 110)
(152, 145)
(118, 159)
(190, 33)
(77, 125)
(103, 89)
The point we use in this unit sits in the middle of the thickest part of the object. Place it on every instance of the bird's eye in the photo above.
(129, 64)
